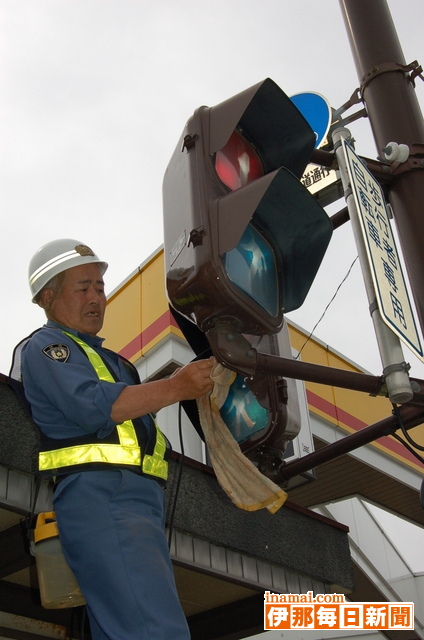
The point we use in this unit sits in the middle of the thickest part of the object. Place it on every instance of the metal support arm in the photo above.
(411, 417)
(234, 351)
(374, 385)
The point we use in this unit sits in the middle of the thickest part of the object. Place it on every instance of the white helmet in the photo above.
(55, 257)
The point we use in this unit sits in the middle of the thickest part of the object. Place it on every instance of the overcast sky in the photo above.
(94, 95)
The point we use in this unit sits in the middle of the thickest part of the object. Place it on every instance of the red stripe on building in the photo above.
(354, 423)
(334, 412)
(150, 333)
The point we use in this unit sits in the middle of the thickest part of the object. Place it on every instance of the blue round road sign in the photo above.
(316, 111)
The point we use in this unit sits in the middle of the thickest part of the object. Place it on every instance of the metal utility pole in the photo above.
(387, 90)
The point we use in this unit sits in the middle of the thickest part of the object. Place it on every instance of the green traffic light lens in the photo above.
(242, 413)
(252, 267)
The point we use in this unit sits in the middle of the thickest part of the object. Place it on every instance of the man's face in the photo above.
(80, 303)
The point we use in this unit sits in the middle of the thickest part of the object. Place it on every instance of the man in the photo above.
(101, 444)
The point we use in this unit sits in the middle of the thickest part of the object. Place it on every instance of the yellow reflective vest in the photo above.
(121, 449)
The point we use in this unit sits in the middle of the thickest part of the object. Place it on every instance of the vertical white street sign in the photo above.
(389, 282)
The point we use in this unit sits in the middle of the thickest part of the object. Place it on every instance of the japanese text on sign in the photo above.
(316, 178)
(392, 295)
(332, 612)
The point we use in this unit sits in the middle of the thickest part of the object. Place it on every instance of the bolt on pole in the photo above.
(396, 377)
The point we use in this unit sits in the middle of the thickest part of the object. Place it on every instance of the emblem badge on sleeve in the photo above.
(59, 352)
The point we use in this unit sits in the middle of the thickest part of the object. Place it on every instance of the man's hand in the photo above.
(193, 380)
(187, 383)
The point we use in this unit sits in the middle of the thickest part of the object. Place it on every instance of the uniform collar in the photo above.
(93, 341)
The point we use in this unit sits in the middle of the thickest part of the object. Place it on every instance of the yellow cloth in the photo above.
(247, 487)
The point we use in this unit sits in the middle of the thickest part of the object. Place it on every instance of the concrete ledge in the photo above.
(19, 436)
(294, 538)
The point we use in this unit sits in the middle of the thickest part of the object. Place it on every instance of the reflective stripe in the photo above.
(63, 257)
(127, 452)
(156, 465)
(88, 453)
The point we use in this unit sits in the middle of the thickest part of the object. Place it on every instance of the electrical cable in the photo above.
(77, 622)
(83, 614)
(180, 471)
(326, 308)
(410, 449)
(407, 446)
(410, 443)
(411, 440)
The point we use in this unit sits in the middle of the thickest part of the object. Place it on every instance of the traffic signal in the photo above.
(261, 411)
(243, 242)
(243, 237)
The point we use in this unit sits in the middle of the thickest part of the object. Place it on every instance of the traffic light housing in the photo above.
(243, 237)
(262, 412)
(243, 242)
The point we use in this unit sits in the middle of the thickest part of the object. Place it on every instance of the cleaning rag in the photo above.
(246, 486)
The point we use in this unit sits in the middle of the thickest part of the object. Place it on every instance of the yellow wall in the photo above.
(366, 409)
(138, 317)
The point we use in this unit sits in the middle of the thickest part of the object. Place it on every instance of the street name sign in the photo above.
(386, 269)
(316, 178)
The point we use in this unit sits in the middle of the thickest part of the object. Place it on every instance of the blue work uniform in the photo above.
(111, 520)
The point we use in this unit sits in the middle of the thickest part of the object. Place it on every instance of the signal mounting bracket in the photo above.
(232, 349)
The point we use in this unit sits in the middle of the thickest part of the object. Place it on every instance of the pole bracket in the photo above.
(412, 70)
(414, 161)
(400, 366)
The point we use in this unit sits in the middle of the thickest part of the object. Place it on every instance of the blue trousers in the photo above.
(111, 526)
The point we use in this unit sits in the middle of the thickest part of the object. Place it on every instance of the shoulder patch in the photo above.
(59, 352)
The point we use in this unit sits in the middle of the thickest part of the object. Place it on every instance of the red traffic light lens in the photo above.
(237, 163)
